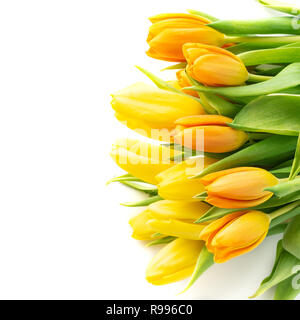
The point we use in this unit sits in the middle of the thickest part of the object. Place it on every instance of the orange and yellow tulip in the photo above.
(176, 184)
(169, 32)
(238, 187)
(235, 234)
(174, 262)
(152, 111)
(213, 66)
(209, 133)
(170, 218)
(142, 160)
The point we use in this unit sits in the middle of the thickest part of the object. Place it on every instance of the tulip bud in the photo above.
(170, 31)
(214, 66)
(176, 218)
(176, 184)
(235, 234)
(183, 82)
(148, 109)
(238, 187)
(142, 160)
(209, 133)
(174, 262)
(141, 230)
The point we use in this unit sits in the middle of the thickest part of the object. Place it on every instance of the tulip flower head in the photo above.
(235, 234)
(238, 187)
(174, 262)
(169, 32)
(209, 133)
(142, 160)
(176, 184)
(213, 66)
(152, 111)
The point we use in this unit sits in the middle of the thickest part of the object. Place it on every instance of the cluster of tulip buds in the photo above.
(219, 153)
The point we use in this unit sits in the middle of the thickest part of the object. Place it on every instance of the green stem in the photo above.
(258, 78)
(263, 40)
(284, 210)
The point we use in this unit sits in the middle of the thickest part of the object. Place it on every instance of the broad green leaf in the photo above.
(277, 25)
(289, 288)
(275, 113)
(291, 238)
(284, 268)
(287, 78)
(282, 172)
(269, 69)
(125, 177)
(278, 55)
(205, 260)
(266, 153)
(142, 203)
(296, 163)
(164, 240)
(280, 6)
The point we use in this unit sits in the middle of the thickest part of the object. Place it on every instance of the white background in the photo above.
(63, 234)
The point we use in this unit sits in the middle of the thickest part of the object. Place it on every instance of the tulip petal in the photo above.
(207, 119)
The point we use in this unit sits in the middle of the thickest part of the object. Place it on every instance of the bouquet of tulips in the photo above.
(221, 169)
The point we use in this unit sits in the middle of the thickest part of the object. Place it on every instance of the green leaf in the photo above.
(205, 260)
(285, 188)
(214, 213)
(296, 163)
(282, 270)
(181, 65)
(163, 84)
(269, 69)
(275, 113)
(142, 203)
(278, 55)
(277, 25)
(289, 215)
(280, 228)
(288, 289)
(287, 78)
(280, 6)
(291, 238)
(164, 240)
(282, 172)
(223, 107)
(144, 187)
(125, 177)
(266, 153)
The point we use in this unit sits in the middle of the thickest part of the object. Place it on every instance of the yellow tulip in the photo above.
(170, 31)
(142, 160)
(169, 218)
(176, 218)
(176, 184)
(209, 133)
(152, 111)
(238, 187)
(214, 66)
(174, 262)
(235, 234)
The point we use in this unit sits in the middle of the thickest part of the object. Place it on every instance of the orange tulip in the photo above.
(183, 81)
(214, 66)
(238, 187)
(235, 234)
(170, 31)
(209, 133)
